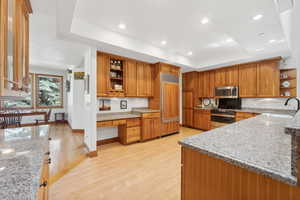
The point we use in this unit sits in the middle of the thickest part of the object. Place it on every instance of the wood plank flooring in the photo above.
(142, 171)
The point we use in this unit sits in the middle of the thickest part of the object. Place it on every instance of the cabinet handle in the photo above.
(49, 138)
(48, 153)
(44, 184)
(49, 161)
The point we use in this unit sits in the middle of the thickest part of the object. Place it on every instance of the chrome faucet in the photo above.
(298, 101)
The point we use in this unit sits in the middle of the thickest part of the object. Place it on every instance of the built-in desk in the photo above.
(132, 127)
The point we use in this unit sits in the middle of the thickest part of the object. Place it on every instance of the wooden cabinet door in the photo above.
(131, 78)
(188, 117)
(268, 79)
(220, 77)
(156, 127)
(189, 81)
(200, 86)
(144, 80)
(248, 80)
(170, 100)
(102, 74)
(212, 85)
(232, 76)
(196, 119)
(188, 100)
(147, 128)
(204, 122)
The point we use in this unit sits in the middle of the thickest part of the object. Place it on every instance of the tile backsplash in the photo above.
(269, 103)
(131, 103)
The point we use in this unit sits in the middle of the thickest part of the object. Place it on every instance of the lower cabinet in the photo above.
(130, 132)
(239, 116)
(188, 117)
(202, 119)
(43, 191)
(151, 126)
(170, 128)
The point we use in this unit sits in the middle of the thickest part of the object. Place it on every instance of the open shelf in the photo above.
(116, 75)
(289, 76)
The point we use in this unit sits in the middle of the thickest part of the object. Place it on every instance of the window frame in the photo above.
(37, 91)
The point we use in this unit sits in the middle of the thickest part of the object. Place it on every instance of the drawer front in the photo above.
(245, 115)
(133, 122)
(104, 124)
(133, 134)
(151, 115)
(119, 122)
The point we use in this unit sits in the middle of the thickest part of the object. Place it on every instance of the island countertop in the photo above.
(22, 151)
(258, 144)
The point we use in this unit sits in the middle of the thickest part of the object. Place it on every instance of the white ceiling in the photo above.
(151, 21)
(46, 49)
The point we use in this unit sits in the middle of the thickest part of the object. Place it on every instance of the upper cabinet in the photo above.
(14, 54)
(189, 81)
(131, 78)
(248, 80)
(144, 80)
(268, 79)
(122, 77)
(226, 77)
(208, 81)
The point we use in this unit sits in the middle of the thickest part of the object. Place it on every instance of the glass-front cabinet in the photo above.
(14, 54)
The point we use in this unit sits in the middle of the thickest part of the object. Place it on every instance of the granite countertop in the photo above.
(256, 110)
(116, 116)
(258, 144)
(22, 152)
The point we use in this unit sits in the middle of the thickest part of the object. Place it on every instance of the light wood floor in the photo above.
(66, 150)
(142, 171)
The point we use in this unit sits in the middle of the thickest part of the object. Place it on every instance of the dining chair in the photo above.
(46, 119)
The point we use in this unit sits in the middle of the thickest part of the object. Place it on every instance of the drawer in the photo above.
(133, 134)
(245, 115)
(118, 122)
(104, 124)
(133, 122)
(151, 115)
(203, 111)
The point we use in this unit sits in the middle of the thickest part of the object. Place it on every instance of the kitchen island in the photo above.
(250, 159)
(24, 163)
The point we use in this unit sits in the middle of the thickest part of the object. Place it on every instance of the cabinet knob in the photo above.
(49, 138)
(48, 153)
(49, 161)
(44, 184)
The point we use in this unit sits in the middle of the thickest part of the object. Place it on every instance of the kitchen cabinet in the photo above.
(220, 77)
(188, 105)
(43, 190)
(226, 77)
(188, 117)
(268, 79)
(102, 74)
(244, 115)
(14, 47)
(144, 80)
(189, 81)
(248, 80)
(202, 119)
(151, 126)
(170, 69)
(208, 84)
(131, 132)
(131, 78)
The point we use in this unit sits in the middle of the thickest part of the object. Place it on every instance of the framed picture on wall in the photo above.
(123, 104)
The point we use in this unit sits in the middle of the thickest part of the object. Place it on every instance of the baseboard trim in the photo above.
(90, 154)
(108, 141)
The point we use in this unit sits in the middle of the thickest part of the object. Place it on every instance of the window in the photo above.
(49, 91)
(26, 103)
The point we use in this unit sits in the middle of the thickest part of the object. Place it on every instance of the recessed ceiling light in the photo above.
(257, 17)
(272, 41)
(122, 26)
(204, 20)
(164, 42)
(229, 40)
(190, 53)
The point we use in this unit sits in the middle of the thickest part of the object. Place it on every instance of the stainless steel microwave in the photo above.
(227, 92)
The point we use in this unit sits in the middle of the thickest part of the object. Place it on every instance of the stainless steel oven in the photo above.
(221, 117)
(227, 92)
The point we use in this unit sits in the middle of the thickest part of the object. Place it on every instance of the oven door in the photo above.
(227, 92)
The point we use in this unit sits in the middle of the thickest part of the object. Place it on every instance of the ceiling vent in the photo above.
(284, 5)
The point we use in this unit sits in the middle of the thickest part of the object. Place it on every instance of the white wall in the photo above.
(90, 101)
(44, 70)
(76, 101)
